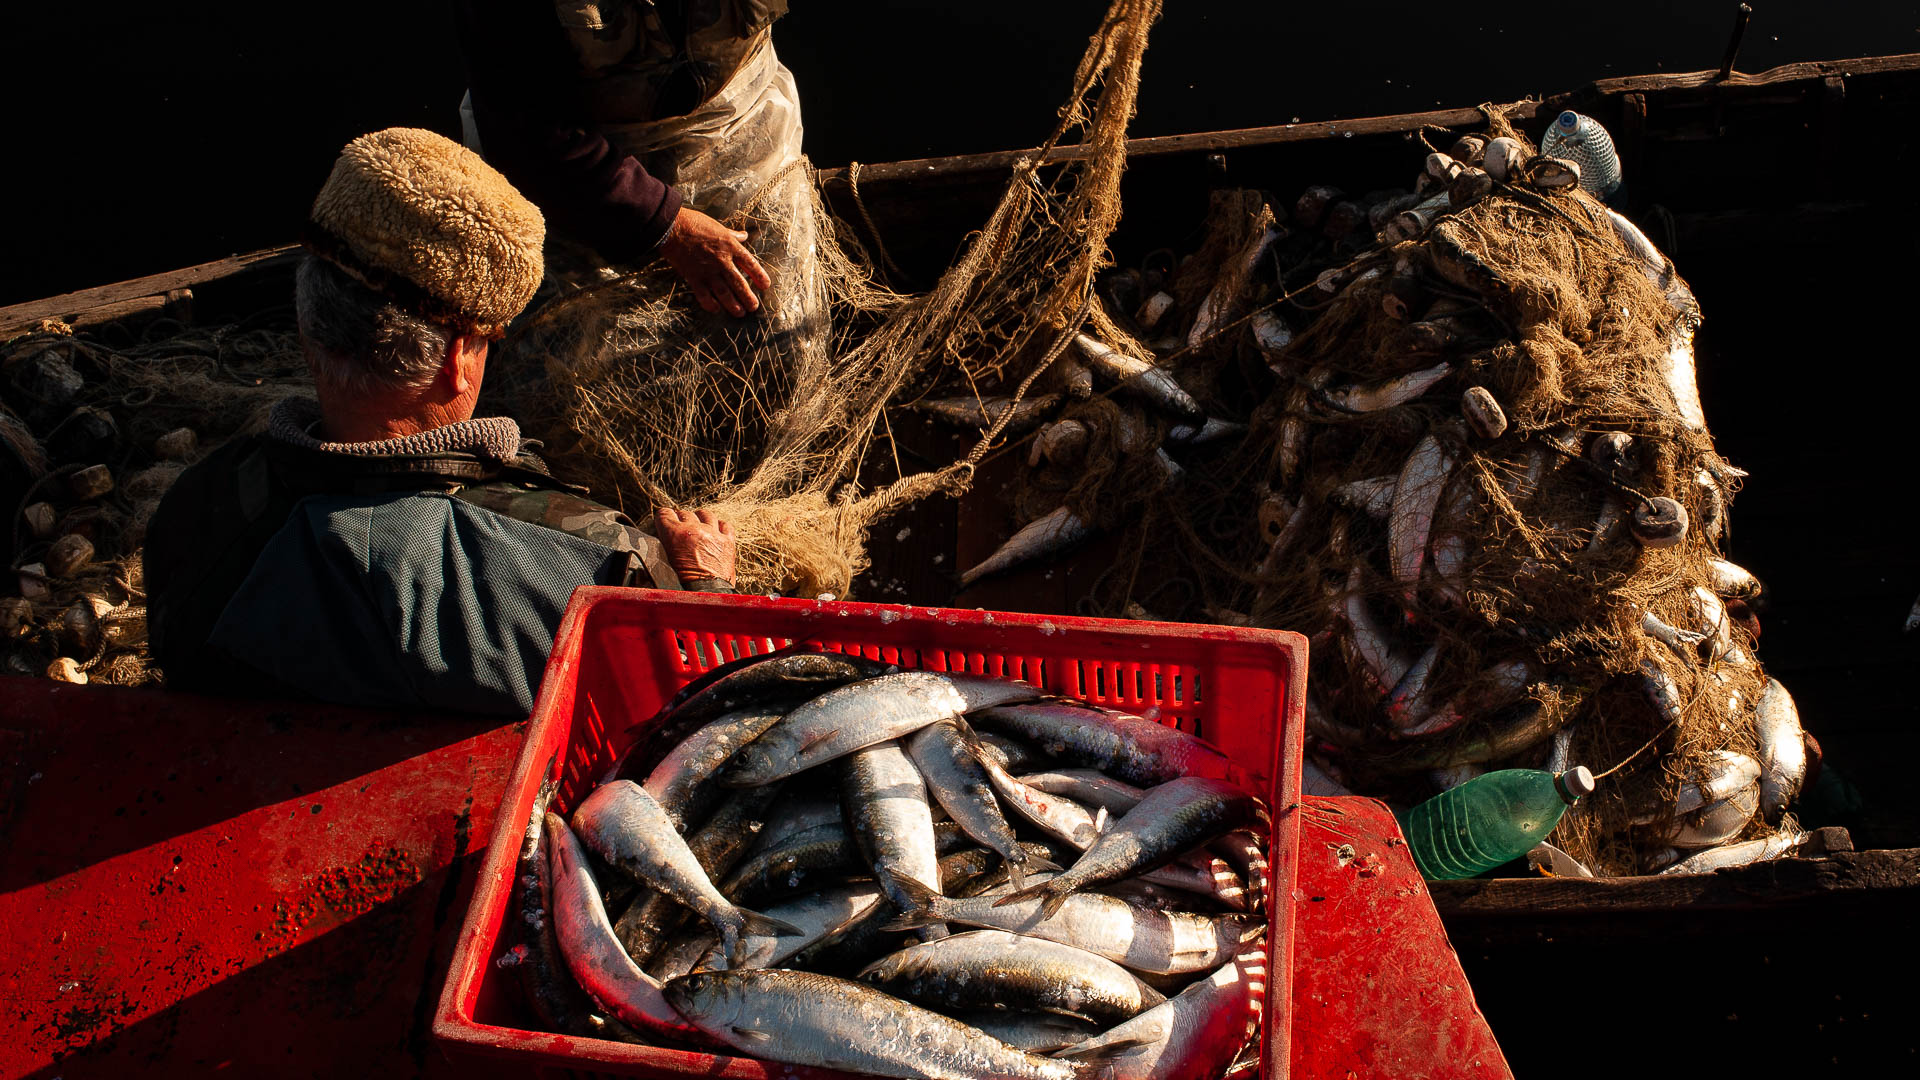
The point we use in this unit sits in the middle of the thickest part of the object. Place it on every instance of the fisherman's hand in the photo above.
(715, 263)
(699, 547)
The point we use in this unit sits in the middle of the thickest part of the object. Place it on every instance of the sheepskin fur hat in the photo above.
(428, 224)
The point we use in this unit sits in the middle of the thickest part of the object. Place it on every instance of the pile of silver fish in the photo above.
(1415, 690)
(817, 859)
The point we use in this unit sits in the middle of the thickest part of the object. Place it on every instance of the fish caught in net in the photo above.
(1474, 471)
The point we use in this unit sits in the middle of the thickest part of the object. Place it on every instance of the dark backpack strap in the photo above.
(566, 510)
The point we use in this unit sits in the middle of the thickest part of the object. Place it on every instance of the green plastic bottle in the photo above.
(1490, 819)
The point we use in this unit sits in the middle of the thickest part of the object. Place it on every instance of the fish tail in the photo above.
(739, 927)
(758, 925)
(924, 906)
(1021, 862)
(1054, 891)
(970, 739)
(1091, 1063)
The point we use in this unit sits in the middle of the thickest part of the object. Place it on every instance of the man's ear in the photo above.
(466, 362)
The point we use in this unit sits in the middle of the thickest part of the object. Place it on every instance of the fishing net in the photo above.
(216, 383)
(652, 402)
(648, 400)
(1475, 599)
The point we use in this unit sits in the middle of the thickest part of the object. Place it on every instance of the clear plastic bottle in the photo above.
(1584, 141)
(1491, 819)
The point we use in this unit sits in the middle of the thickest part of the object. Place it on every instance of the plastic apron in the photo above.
(721, 157)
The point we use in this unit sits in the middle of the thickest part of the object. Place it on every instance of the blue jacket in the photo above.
(409, 600)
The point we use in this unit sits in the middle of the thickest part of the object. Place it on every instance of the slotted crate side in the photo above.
(621, 653)
(933, 639)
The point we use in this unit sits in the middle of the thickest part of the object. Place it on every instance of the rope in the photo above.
(879, 243)
(26, 500)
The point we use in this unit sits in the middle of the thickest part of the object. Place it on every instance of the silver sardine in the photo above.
(862, 714)
(1089, 787)
(801, 1018)
(1047, 535)
(955, 777)
(1159, 942)
(993, 969)
(1782, 748)
(1171, 820)
(593, 954)
(1196, 1034)
(886, 804)
(681, 782)
(1123, 746)
(624, 826)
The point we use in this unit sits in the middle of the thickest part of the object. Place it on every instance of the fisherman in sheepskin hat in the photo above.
(377, 544)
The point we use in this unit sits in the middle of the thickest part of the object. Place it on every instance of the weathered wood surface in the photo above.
(139, 294)
(140, 291)
(1785, 73)
(1379, 125)
(1892, 874)
(176, 304)
(1000, 160)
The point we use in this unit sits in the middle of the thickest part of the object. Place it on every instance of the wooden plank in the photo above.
(1785, 73)
(68, 305)
(176, 304)
(966, 164)
(1769, 884)
(1001, 160)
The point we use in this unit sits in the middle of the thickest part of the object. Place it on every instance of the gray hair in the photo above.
(360, 341)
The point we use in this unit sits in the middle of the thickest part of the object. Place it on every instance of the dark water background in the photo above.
(146, 137)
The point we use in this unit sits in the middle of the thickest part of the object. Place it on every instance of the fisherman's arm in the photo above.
(534, 128)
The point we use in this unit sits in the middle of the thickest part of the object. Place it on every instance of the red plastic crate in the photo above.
(620, 653)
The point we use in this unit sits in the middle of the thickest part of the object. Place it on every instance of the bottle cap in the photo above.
(1577, 782)
(1569, 121)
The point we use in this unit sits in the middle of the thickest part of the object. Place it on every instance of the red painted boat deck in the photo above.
(264, 888)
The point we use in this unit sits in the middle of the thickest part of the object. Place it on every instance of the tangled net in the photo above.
(1477, 595)
(652, 403)
(634, 390)
(215, 383)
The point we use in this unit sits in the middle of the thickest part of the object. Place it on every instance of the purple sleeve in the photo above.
(535, 130)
